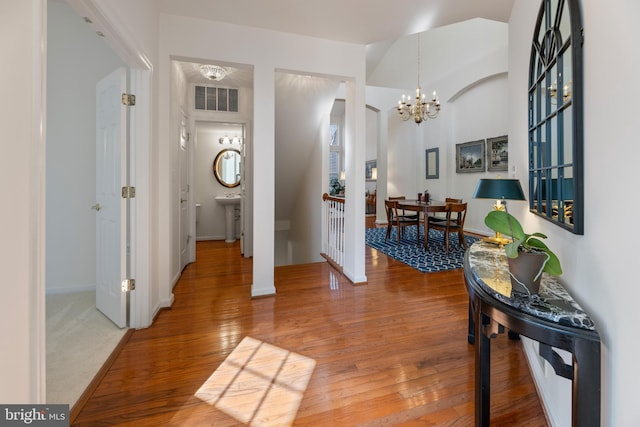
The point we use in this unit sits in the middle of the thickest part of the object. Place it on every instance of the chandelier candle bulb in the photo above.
(422, 109)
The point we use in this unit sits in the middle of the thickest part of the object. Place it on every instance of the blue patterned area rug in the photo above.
(412, 253)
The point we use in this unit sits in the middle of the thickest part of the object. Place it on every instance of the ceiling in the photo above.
(374, 23)
(352, 21)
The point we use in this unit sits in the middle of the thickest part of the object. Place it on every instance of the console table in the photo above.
(551, 317)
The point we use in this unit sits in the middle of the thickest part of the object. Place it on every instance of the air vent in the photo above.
(216, 99)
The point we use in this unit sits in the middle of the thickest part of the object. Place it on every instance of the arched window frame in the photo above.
(556, 116)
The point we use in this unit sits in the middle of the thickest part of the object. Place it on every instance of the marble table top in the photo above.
(488, 264)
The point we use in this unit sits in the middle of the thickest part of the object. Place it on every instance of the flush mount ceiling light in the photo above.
(213, 72)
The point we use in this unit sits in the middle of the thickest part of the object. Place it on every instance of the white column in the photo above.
(381, 186)
(263, 181)
(355, 141)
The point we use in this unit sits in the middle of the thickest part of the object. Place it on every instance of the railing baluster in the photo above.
(333, 242)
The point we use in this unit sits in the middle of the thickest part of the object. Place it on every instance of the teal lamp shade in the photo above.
(508, 189)
(501, 190)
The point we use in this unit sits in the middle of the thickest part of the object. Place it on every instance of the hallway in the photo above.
(392, 351)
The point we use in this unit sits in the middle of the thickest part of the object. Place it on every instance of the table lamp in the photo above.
(501, 190)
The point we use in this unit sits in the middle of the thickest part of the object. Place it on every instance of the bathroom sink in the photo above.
(228, 202)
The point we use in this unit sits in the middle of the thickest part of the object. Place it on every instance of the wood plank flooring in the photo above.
(393, 351)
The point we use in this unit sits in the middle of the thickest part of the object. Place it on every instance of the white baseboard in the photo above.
(69, 289)
(554, 393)
(162, 304)
(198, 238)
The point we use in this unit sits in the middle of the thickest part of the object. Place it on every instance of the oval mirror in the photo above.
(226, 167)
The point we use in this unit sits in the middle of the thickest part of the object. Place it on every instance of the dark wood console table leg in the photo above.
(586, 384)
(471, 333)
(483, 370)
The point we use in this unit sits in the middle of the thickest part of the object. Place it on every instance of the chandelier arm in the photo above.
(422, 109)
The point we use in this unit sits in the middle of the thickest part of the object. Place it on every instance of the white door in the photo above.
(246, 190)
(185, 218)
(111, 214)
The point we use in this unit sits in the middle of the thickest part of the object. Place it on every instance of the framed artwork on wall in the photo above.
(432, 161)
(370, 170)
(498, 154)
(470, 156)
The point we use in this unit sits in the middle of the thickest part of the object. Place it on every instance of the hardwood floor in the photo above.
(393, 351)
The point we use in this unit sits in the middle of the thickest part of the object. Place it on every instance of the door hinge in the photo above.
(128, 99)
(128, 285)
(128, 192)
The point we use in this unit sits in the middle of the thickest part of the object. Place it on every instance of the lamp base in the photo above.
(496, 240)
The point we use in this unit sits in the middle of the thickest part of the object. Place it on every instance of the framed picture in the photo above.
(470, 156)
(498, 154)
(432, 161)
(371, 170)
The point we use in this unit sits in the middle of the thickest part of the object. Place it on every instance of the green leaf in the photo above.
(504, 223)
(539, 235)
(512, 248)
(507, 224)
(552, 266)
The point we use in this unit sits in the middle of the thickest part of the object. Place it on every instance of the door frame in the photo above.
(139, 80)
(187, 232)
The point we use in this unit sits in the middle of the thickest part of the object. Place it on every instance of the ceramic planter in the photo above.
(526, 271)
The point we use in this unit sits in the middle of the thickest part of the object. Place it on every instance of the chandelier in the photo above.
(421, 109)
(567, 92)
(213, 72)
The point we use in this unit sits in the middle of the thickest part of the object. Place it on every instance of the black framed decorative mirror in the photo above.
(226, 167)
(556, 115)
(432, 162)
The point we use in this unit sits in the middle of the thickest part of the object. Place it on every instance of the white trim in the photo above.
(38, 199)
(215, 237)
(119, 38)
(263, 291)
(162, 304)
(70, 289)
(530, 349)
(140, 164)
(141, 72)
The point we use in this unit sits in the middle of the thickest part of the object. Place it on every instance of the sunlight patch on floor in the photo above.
(259, 384)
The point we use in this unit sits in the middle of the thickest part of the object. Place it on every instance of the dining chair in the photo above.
(455, 214)
(440, 217)
(394, 219)
(410, 216)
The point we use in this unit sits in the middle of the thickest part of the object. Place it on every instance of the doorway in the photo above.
(76, 59)
(214, 123)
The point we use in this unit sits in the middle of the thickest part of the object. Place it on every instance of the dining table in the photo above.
(420, 206)
(430, 207)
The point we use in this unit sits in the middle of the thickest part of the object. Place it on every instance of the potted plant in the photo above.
(528, 256)
(335, 187)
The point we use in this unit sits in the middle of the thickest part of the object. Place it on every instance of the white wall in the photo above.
(479, 112)
(76, 60)
(22, 35)
(304, 238)
(599, 267)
